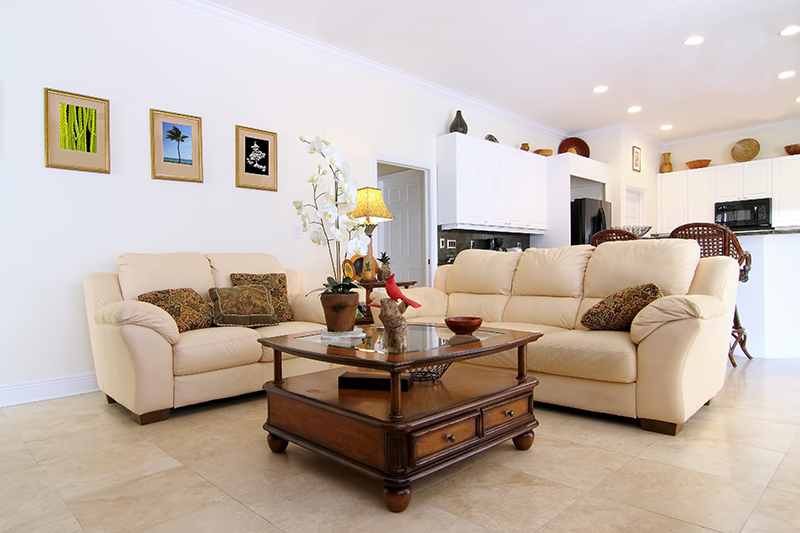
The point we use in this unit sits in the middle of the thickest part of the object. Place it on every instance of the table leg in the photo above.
(277, 366)
(397, 498)
(394, 394)
(276, 444)
(522, 363)
(524, 441)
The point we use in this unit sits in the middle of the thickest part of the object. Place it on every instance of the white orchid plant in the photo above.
(326, 215)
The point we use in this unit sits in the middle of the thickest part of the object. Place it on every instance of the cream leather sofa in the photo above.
(145, 364)
(671, 362)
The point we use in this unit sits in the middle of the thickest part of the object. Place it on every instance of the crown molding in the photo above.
(246, 22)
(618, 128)
(750, 130)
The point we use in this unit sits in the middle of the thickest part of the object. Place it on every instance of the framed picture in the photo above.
(176, 151)
(76, 132)
(637, 159)
(256, 159)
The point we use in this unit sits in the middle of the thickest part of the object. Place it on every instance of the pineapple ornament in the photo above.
(384, 271)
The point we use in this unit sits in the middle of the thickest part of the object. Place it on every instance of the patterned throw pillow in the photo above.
(276, 286)
(616, 312)
(246, 305)
(187, 307)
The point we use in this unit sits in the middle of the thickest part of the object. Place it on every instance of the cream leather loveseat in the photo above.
(671, 362)
(145, 364)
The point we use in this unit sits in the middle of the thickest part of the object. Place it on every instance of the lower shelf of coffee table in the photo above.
(467, 411)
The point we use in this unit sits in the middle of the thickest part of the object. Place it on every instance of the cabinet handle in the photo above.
(509, 413)
(450, 437)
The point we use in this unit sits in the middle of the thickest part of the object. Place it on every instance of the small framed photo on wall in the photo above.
(76, 132)
(256, 159)
(637, 159)
(176, 151)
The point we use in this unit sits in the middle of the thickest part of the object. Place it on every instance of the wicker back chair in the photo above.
(714, 240)
(612, 235)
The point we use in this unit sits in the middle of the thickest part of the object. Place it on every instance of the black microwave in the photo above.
(744, 214)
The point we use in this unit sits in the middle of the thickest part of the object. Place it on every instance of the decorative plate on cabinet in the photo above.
(745, 150)
(577, 146)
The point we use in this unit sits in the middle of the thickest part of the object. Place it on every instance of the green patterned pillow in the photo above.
(616, 312)
(187, 307)
(246, 305)
(276, 286)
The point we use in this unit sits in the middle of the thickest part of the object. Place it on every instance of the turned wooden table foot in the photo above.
(277, 444)
(397, 498)
(524, 441)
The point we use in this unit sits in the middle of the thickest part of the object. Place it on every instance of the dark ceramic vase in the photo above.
(459, 124)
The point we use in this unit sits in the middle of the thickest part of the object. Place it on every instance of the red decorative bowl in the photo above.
(463, 325)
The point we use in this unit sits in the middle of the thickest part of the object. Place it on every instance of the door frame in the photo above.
(431, 233)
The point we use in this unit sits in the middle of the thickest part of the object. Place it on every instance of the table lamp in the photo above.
(370, 211)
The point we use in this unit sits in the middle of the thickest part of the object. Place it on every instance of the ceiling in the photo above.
(541, 59)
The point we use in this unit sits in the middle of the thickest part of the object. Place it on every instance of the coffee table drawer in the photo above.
(432, 442)
(506, 412)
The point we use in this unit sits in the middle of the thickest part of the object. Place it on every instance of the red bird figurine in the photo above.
(396, 294)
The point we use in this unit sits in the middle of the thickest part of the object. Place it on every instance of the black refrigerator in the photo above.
(588, 217)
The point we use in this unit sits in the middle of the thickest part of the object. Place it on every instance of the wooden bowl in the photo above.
(463, 325)
(698, 163)
(792, 149)
(547, 152)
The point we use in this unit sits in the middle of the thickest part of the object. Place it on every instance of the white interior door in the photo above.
(403, 239)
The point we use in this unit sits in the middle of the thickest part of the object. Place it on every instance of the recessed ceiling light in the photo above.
(790, 30)
(691, 41)
(786, 74)
(634, 109)
(600, 89)
(666, 127)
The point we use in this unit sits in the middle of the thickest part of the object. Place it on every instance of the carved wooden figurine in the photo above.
(395, 325)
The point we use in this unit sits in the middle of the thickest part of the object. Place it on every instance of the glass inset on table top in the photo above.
(420, 338)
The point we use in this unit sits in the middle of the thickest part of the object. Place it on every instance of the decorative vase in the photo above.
(525, 146)
(369, 270)
(458, 124)
(666, 166)
(340, 310)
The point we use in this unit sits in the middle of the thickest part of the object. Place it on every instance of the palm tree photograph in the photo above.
(177, 142)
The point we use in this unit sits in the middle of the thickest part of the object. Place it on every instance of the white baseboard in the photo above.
(36, 391)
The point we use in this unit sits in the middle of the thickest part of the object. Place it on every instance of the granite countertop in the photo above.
(786, 230)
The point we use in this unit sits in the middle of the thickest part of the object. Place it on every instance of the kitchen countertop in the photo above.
(775, 231)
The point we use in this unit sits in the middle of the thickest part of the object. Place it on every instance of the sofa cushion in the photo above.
(275, 284)
(482, 272)
(285, 328)
(140, 273)
(669, 263)
(223, 265)
(549, 310)
(617, 311)
(551, 271)
(598, 355)
(490, 307)
(246, 305)
(204, 350)
(185, 306)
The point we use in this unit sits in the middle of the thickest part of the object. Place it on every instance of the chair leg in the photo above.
(739, 337)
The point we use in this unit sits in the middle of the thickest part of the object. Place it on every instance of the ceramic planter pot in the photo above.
(340, 310)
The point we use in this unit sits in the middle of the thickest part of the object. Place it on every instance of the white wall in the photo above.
(56, 225)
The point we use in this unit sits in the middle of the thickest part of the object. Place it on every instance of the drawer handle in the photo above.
(450, 437)
(509, 413)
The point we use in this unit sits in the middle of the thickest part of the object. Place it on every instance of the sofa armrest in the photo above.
(433, 302)
(136, 313)
(307, 308)
(673, 308)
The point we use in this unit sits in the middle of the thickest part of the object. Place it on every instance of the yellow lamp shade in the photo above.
(370, 208)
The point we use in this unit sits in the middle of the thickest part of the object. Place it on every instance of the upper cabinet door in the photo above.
(786, 189)
(729, 182)
(701, 192)
(672, 200)
(757, 179)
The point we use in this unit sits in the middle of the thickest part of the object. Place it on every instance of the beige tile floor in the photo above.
(78, 464)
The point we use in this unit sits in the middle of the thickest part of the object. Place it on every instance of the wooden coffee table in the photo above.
(397, 436)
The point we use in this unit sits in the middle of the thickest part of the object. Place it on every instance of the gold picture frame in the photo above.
(76, 132)
(256, 159)
(636, 159)
(169, 132)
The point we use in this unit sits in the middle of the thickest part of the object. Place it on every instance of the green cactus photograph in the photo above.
(76, 135)
(77, 128)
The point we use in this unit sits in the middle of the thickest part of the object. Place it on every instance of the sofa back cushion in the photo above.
(482, 272)
(141, 273)
(223, 265)
(548, 285)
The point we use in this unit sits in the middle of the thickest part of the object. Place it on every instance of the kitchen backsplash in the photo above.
(453, 241)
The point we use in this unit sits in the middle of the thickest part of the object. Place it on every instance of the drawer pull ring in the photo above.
(509, 413)
(450, 437)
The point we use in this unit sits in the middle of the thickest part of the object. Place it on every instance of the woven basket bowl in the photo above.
(792, 149)
(698, 163)
(745, 150)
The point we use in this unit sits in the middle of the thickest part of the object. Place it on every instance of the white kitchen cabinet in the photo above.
(744, 181)
(700, 195)
(672, 200)
(487, 186)
(786, 191)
